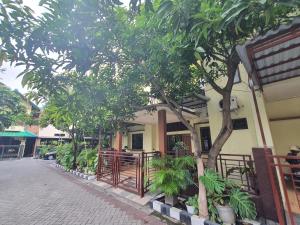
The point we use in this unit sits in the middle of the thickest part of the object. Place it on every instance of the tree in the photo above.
(10, 107)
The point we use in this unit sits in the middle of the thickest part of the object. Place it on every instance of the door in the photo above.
(205, 138)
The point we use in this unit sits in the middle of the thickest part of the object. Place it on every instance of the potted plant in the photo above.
(180, 149)
(192, 204)
(171, 176)
(226, 199)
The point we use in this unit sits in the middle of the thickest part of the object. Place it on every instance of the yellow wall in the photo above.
(240, 141)
(285, 133)
(285, 130)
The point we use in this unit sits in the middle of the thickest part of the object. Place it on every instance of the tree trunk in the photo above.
(226, 129)
(99, 152)
(75, 150)
(202, 201)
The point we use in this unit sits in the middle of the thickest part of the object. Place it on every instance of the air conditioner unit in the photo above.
(233, 104)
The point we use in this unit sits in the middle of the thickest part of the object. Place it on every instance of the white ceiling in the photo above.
(282, 90)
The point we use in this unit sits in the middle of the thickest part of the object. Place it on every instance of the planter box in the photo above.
(93, 177)
(178, 214)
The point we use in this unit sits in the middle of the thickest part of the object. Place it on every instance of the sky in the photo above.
(10, 73)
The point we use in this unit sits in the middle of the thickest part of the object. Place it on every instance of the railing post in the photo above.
(2, 147)
(221, 165)
(142, 176)
(288, 205)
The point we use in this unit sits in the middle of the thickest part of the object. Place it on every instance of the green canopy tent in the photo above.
(12, 138)
(18, 134)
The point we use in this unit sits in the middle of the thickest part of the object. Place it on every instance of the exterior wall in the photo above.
(240, 141)
(284, 118)
(49, 131)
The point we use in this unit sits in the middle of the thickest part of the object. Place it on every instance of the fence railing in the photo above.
(11, 151)
(237, 167)
(129, 171)
(286, 170)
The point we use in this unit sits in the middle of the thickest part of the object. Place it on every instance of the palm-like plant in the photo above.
(223, 192)
(172, 174)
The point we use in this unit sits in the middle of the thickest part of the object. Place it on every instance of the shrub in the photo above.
(172, 174)
(87, 159)
(64, 155)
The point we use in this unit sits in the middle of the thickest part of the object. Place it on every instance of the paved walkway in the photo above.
(34, 193)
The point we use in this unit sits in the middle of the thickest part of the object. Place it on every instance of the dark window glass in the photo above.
(240, 124)
(205, 138)
(178, 126)
(137, 141)
(59, 135)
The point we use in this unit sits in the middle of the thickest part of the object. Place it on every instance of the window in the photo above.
(59, 135)
(178, 126)
(137, 141)
(240, 124)
(237, 77)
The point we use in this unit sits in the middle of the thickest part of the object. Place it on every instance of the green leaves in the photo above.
(241, 203)
(212, 182)
(11, 107)
(225, 192)
(172, 174)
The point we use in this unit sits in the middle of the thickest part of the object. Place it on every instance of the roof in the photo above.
(274, 56)
(17, 134)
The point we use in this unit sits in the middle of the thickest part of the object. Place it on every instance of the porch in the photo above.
(272, 62)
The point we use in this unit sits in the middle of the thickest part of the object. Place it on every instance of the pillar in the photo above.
(118, 141)
(162, 131)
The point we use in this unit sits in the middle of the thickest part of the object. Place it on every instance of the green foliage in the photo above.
(180, 146)
(87, 159)
(193, 201)
(64, 155)
(44, 149)
(11, 107)
(221, 191)
(172, 174)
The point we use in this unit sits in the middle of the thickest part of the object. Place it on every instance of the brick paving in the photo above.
(33, 193)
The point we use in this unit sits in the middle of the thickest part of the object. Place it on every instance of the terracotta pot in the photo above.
(226, 214)
(190, 209)
(171, 200)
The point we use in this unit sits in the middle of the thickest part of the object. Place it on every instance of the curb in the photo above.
(178, 214)
(76, 173)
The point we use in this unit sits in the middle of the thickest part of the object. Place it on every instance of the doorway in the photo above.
(205, 139)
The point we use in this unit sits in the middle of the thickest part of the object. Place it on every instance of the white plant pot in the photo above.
(226, 214)
(190, 209)
(171, 200)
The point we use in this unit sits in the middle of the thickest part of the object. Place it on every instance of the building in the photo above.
(265, 113)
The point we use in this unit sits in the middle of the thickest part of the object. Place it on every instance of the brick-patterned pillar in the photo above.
(118, 141)
(162, 131)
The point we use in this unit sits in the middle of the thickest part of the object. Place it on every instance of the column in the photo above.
(118, 141)
(162, 131)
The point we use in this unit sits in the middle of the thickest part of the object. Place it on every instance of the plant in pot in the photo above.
(226, 200)
(192, 205)
(171, 176)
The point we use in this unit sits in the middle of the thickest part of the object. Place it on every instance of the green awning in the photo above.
(25, 134)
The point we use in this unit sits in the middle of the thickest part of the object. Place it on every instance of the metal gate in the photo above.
(285, 170)
(11, 151)
(129, 171)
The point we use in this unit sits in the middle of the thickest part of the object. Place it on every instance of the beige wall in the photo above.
(284, 118)
(240, 141)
